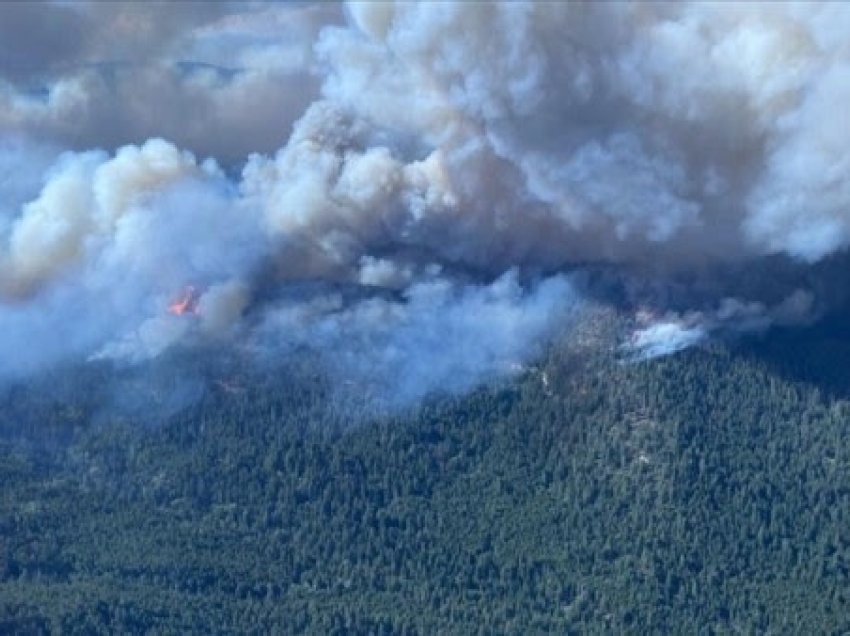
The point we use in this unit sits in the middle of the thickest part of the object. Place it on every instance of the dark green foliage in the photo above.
(703, 493)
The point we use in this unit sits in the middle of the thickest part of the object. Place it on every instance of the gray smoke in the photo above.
(450, 165)
(220, 78)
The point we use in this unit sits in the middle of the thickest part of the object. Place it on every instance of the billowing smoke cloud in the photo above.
(659, 336)
(111, 73)
(443, 173)
(443, 337)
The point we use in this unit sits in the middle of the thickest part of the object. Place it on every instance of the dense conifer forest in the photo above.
(706, 492)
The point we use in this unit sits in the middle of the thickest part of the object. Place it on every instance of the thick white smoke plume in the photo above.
(660, 336)
(443, 336)
(439, 165)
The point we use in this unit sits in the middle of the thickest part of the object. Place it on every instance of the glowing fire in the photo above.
(186, 303)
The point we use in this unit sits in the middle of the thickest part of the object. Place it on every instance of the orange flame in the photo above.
(186, 303)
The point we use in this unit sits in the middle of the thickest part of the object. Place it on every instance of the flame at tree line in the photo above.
(186, 303)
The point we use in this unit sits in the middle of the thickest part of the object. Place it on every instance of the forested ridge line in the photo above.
(707, 492)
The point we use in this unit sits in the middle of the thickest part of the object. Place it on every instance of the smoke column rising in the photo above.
(450, 165)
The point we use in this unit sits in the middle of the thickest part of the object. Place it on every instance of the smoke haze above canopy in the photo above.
(456, 165)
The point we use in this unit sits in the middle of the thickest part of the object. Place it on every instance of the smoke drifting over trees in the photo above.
(445, 176)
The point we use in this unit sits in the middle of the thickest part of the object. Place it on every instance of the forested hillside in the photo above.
(707, 492)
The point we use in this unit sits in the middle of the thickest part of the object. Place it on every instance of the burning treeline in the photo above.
(186, 303)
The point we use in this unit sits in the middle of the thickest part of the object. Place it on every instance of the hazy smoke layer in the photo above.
(223, 78)
(440, 163)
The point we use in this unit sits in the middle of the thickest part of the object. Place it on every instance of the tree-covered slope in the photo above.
(707, 492)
